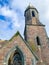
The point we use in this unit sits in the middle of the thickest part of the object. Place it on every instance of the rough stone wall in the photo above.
(48, 42)
(17, 41)
(32, 32)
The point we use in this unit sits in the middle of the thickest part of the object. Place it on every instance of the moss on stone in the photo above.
(33, 46)
(15, 35)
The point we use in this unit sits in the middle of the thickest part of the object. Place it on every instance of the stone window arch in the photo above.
(16, 58)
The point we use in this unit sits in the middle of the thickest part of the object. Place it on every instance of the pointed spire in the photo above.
(30, 4)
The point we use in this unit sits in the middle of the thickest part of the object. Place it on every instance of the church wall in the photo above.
(32, 32)
(6, 51)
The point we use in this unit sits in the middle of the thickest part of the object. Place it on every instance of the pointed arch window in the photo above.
(16, 58)
(38, 40)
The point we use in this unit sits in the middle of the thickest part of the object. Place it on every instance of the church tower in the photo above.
(35, 32)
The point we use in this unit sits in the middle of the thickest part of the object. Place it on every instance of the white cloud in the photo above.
(20, 4)
(3, 24)
(5, 11)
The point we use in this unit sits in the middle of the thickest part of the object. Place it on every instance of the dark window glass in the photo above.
(33, 14)
(38, 40)
(16, 60)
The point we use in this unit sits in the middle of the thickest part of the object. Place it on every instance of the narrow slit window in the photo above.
(33, 14)
(38, 41)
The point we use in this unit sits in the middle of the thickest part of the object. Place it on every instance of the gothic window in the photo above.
(16, 59)
(38, 40)
(33, 14)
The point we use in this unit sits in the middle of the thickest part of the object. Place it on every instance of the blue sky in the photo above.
(12, 16)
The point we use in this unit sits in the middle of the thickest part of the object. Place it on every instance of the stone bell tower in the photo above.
(35, 33)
